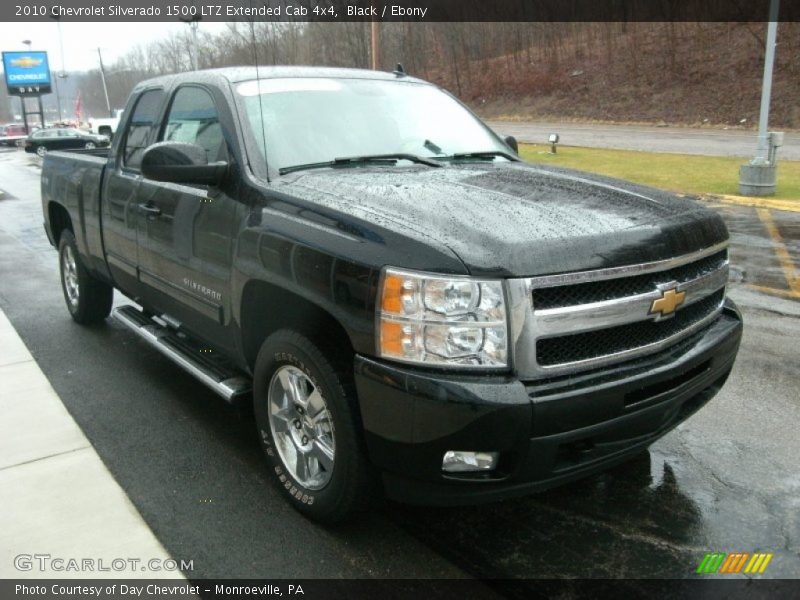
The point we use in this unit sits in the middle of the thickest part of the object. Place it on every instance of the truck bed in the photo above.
(72, 179)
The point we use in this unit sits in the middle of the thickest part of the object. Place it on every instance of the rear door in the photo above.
(122, 180)
(186, 232)
(69, 138)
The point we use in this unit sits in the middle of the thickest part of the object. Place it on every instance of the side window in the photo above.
(193, 118)
(144, 115)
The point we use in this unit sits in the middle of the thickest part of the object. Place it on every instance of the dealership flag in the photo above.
(78, 108)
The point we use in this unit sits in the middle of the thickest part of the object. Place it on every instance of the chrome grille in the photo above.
(560, 323)
(579, 347)
(609, 289)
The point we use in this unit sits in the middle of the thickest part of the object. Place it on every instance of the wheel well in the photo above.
(59, 220)
(266, 308)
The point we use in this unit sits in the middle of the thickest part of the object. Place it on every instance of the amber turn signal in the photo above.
(391, 338)
(391, 302)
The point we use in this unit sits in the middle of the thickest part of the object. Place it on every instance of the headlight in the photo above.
(444, 321)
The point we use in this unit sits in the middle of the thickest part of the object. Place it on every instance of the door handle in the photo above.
(149, 210)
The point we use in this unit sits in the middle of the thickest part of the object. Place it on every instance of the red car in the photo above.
(12, 133)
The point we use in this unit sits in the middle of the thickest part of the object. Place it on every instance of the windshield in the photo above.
(317, 120)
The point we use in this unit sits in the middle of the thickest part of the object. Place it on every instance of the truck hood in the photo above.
(515, 219)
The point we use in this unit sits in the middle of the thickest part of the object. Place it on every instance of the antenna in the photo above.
(399, 70)
(258, 85)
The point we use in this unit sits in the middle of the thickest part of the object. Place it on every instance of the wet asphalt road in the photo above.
(681, 140)
(727, 480)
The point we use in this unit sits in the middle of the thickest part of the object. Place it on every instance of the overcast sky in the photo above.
(82, 39)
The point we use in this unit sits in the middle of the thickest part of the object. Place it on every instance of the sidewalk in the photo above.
(57, 496)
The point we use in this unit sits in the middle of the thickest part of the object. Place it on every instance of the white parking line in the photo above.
(57, 496)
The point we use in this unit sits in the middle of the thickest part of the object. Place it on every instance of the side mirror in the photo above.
(511, 142)
(179, 162)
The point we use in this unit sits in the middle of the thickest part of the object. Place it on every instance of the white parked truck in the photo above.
(106, 126)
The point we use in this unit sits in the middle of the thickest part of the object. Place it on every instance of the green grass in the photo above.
(675, 172)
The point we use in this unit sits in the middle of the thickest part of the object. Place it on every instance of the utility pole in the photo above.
(58, 93)
(61, 45)
(63, 73)
(193, 25)
(193, 22)
(757, 178)
(762, 153)
(376, 45)
(103, 79)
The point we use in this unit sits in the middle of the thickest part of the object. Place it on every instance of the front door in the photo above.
(186, 232)
(120, 187)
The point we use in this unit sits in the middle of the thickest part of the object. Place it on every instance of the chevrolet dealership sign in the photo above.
(26, 73)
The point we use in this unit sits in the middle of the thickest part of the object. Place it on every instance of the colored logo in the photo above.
(26, 72)
(669, 301)
(26, 62)
(738, 562)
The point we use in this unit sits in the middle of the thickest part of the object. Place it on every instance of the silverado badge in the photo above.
(670, 300)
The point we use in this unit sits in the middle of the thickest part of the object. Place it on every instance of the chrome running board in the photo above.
(187, 354)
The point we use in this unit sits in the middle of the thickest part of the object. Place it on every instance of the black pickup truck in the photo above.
(412, 309)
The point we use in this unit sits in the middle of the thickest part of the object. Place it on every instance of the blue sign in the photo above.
(26, 73)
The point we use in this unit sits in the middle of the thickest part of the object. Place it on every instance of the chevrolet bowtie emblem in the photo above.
(669, 301)
(26, 62)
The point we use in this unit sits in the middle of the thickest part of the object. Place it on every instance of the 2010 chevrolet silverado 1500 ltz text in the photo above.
(413, 309)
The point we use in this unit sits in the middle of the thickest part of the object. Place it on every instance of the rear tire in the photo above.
(41, 151)
(88, 299)
(90, 145)
(329, 488)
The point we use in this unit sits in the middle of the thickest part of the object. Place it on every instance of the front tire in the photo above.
(88, 299)
(90, 145)
(308, 423)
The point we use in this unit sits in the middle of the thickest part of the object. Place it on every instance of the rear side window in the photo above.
(193, 118)
(144, 115)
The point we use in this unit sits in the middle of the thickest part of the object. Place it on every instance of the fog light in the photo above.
(457, 461)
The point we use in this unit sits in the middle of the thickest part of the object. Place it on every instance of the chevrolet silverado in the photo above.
(412, 309)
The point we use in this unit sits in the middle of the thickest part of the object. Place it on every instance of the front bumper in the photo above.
(547, 432)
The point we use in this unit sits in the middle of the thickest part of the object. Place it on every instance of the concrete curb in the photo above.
(59, 500)
(786, 205)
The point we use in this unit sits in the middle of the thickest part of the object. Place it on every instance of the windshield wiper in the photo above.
(487, 155)
(373, 159)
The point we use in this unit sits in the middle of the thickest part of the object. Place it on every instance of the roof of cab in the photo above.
(237, 74)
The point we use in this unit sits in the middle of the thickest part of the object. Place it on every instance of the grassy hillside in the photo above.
(679, 73)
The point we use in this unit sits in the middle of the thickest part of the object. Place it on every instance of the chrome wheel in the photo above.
(90, 145)
(41, 151)
(301, 427)
(69, 270)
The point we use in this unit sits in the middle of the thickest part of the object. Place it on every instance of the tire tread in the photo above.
(95, 297)
(360, 488)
